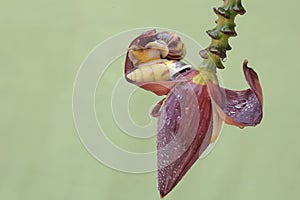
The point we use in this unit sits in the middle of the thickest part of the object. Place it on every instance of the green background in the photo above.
(43, 44)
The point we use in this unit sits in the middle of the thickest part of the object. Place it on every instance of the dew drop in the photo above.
(240, 105)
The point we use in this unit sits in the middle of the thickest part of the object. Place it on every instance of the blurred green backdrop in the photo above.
(43, 44)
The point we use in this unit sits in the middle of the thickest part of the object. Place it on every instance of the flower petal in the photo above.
(184, 132)
(253, 81)
(239, 108)
(216, 132)
(159, 87)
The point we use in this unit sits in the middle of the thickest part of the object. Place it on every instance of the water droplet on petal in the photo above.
(240, 105)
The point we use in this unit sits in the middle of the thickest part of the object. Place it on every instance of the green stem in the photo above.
(215, 53)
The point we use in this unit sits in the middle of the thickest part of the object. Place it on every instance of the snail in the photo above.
(155, 57)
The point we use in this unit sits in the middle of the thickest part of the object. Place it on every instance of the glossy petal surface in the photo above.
(184, 132)
(240, 108)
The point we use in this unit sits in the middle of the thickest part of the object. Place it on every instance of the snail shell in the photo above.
(161, 71)
(176, 48)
